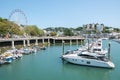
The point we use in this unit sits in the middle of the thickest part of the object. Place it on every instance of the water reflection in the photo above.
(85, 72)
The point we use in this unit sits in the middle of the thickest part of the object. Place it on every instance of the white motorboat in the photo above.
(89, 59)
(97, 47)
(25, 50)
(94, 47)
(94, 55)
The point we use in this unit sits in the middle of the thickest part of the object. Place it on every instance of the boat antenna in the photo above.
(88, 44)
(109, 45)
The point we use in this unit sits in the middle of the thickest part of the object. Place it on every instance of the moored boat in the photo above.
(89, 59)
(93, 55)
(7, 57)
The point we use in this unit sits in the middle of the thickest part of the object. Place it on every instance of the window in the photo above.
(88, 62)
(82, 60)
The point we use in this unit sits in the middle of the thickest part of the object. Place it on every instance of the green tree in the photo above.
(41, 32)
(68, 32)
(33, 30)
(79, 29)
(9, 27)
(116, 30)
(106, 29)
(53, 33)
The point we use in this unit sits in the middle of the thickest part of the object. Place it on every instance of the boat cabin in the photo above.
(93, 56)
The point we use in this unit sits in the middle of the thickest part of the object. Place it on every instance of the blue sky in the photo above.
(65, 13)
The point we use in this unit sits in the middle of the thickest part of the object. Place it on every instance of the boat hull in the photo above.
(87, 62)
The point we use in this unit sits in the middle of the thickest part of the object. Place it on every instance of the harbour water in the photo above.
(47, 65)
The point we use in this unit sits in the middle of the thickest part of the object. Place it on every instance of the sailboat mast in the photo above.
(63, 47)
(88, 44)
(109, 45)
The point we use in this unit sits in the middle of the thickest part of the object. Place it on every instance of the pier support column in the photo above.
(13, 46)
(54, 41)
(48, 41)
(77, 42)
(70, 41)
(81, 42)
(43, 41)
(62, 41)
(28, 42)
(0, 51)
(36, 43)
(24, 44)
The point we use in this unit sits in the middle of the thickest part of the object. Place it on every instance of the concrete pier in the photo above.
(36, 40)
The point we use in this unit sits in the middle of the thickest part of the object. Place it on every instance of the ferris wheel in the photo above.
(18, 16)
